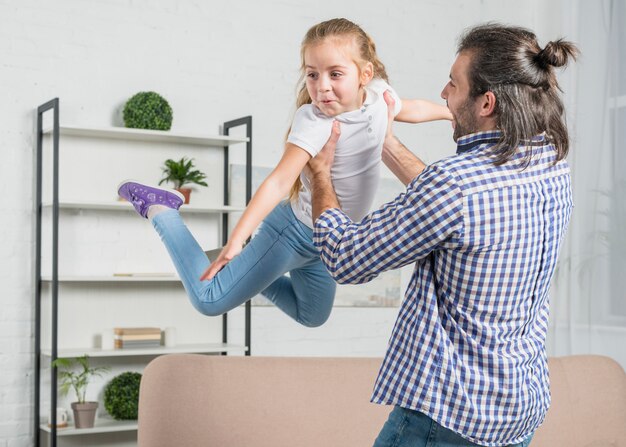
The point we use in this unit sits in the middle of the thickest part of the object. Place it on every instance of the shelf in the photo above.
(125, 206)
(101, 425)
(161, 136)
(122, 282)
(201, 348)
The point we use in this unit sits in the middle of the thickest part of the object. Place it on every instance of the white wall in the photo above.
(213, 61)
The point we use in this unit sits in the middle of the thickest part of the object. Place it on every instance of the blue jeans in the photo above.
(410, 428)
(283, 244)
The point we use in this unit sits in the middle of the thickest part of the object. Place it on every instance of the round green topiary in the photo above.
(148, 110)
(121, 396)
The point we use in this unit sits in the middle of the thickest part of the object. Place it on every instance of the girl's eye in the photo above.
(311, 75)
(335, 74)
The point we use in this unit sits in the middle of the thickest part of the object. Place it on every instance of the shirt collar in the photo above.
(490, 137)
(472, 141)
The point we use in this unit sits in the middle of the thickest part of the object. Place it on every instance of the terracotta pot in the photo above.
(185, 192)
(84, 414)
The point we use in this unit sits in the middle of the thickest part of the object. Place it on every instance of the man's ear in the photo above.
(487, 105)
(367, 73)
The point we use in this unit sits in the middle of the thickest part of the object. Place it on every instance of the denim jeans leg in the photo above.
(412, 428)
(186, 254)
(308, 293)
(404, 428)
(278, 247)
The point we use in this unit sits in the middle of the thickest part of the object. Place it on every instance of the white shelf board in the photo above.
(200, 348)
(125, 206)
(137, 277)
(161, 136)
(101, 425)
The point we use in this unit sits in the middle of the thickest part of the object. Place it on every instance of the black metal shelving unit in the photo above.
(53, 106)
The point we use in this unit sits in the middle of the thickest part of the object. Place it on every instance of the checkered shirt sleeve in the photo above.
(427, 215)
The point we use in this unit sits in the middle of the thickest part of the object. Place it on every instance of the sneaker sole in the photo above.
(171, 191)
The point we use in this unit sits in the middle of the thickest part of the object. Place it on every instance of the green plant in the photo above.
(121, 396)
(181, 173)
(148, 110)
(78, 381)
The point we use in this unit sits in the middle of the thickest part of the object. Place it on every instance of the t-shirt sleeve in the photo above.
(309, 130)
(379, 86)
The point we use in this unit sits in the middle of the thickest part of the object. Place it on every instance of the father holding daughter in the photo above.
(466, 362)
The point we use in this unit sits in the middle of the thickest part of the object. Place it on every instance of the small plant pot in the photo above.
(84, 414)
(185, 192)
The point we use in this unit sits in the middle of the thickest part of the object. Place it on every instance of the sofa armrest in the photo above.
(588, 406)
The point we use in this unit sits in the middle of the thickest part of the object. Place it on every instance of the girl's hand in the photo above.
(227, 254)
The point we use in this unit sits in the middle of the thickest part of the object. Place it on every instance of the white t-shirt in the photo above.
(356, 168)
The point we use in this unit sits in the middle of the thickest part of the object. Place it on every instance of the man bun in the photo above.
(557, 53)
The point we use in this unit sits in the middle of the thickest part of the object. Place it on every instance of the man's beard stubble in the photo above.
(465, 120)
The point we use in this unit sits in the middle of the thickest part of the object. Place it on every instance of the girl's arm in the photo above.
(421, 111)
(273, 189)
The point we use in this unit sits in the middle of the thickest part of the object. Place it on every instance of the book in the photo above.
(137, 330)
(139, 337)
(121, 344)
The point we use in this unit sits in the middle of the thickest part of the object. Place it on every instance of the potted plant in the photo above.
(182, 173)
(84, 412)
(121, 396)
(148, 110)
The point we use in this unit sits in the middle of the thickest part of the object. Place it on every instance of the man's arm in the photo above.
(428, 215)
(401, 161)
(323, 192)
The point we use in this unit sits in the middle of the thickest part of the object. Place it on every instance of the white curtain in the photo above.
(588, 301)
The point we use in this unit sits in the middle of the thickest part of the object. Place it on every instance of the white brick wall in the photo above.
(213, 61)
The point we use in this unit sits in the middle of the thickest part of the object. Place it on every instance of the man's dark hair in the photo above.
(509, 62)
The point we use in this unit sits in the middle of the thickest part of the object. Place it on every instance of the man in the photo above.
(466, 362)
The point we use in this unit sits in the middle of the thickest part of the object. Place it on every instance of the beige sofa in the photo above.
(196, 400)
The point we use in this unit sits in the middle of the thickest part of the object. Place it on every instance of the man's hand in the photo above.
(396, 156)
(323, 161)
(391, 106)
(318, 172)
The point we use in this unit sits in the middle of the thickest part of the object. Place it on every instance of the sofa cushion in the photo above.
(196, 400)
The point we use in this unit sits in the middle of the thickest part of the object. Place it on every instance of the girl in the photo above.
(343, 80)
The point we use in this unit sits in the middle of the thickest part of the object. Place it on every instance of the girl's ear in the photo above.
(367, 73)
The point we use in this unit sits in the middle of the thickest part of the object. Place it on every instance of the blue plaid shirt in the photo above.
(468, 346)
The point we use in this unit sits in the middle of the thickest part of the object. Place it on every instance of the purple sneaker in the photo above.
(144, 196)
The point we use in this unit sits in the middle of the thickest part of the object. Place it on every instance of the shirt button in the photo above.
(369, 129)
(363, 110)
(369, 117)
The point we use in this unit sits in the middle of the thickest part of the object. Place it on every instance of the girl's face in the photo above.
(333, 79)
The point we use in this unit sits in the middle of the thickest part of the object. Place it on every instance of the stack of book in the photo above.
(137, 337)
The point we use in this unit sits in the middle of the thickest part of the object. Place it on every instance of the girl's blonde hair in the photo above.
(339, 29)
